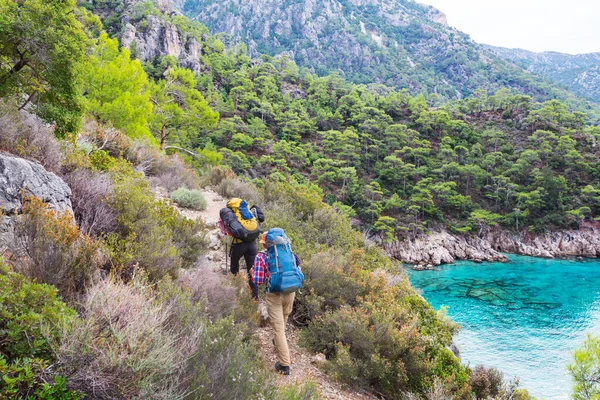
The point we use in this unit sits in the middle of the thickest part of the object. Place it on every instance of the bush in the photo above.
(105, 138)
(189, 198)
(90, 192)
(48, 247)
(30, 378)
(125, 346)
(31, 317)
(486, 382)
(230, 188)
(27, 136)
(215, 175)
(170, 172)
(308, 391)
(150, 233)
(137, 342)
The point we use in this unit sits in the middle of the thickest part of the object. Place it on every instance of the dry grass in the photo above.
(27, 136)
(90, 191)
(235, 187)
(124, 347)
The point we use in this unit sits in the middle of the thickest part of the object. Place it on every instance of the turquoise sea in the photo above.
(525, 317)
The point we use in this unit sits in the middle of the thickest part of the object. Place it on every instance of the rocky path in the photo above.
(304, 365)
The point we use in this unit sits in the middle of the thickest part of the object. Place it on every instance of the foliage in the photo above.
(585, 369)
(28, 379)
(180, 111)
(90, 193)
(31, 319)
(124, 347)
(486, 382)
(117, 90)
(42, 49)
(189, 198)
(149, 233)
(25, 135)
(49, 247)
(144, 342)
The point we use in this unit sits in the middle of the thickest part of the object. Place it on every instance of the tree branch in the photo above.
(191, 153)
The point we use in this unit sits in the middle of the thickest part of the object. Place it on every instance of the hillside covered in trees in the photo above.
(107, 296)
(116, 304)
(400, 43)
(403, 164)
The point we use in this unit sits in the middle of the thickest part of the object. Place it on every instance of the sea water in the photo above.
(524, 317)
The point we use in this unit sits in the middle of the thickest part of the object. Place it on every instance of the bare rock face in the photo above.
(160, 38)
(444, 248)
(19, 176)
(581, 243)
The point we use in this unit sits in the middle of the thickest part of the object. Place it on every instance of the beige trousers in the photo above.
(279, 307)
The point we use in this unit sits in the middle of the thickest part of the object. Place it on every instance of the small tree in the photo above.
(585, 370)
(41, 51)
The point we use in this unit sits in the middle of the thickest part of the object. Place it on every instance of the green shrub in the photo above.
(189, 198)
(49, 248)
(307, 391)
(29, 379)
(101, 160)
(150, 233)
(31, 317)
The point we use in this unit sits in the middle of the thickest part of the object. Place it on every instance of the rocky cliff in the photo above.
(19, 177)
(580, 73)
(445, 248)
(399, 43)
(159, 38)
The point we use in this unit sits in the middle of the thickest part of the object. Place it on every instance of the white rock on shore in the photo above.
(444, 248)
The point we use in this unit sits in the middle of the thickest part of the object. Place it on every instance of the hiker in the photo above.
(279, 267)
(244, 225)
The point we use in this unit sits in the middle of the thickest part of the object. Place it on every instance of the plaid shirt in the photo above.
(260, 272)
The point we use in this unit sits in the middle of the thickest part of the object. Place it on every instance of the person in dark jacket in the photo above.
(244, 226)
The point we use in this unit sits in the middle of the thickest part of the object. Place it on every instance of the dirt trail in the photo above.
(303, 366)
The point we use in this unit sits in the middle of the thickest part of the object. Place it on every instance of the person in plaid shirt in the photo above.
(279, 307)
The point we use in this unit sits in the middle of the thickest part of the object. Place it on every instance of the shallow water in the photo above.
(525, 317)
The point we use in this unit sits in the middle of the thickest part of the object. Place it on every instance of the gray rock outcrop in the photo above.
(160, 38)
(581, 243)
(19, 176)
(444, 248)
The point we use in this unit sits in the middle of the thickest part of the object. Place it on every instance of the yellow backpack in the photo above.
(240, 221)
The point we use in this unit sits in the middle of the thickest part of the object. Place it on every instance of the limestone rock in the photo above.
(19, 176)
(443, 248)
(317, 359)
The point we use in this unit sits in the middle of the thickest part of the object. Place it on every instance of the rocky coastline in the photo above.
(444, 248)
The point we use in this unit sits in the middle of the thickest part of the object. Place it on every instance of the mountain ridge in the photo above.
(579, 73)
(398, 43)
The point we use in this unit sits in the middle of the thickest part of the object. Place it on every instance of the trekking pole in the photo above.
(226, 254)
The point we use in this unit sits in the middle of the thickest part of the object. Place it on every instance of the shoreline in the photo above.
(442, 247)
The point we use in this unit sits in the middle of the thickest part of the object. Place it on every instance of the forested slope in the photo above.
(108, 300)
(399, 43)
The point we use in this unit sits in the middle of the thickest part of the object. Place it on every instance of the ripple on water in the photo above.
(524, 317)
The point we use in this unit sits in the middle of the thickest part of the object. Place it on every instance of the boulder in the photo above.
(19, 176)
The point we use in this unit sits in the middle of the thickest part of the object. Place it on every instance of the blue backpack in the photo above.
(285, 276)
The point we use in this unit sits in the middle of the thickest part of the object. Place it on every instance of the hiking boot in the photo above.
(281, 369)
